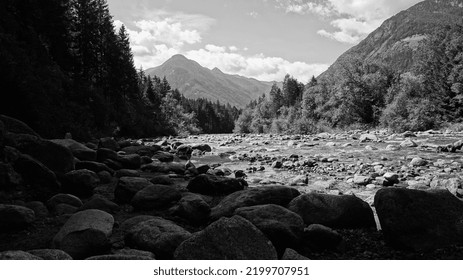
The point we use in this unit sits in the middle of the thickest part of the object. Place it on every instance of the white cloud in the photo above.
(214, 48)
(156, 40)
(352, 20)
(298, 7)
(351, 30)
(193, 21)
(258, 66)
(118, 24)
(165, 31)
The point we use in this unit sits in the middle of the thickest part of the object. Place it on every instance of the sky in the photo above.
(262, 39)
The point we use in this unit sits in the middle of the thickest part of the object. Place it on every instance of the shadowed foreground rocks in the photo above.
(223, 197)
(420, 220)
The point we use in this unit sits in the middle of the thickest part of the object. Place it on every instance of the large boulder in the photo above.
(40, 182)
(85, 234)
(80, 182)
(215, 185)
(227, 239)
(420, 220)
(336, 211)
(157, 235)
(279, 195)
(283, 227)
(78, 150)
(193, 208)
(57, 158)
(127, 187)
(155, 197)
(14, 217)
(16, 126)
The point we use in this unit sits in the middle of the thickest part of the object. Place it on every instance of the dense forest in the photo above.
(369, 95)
(65, 68)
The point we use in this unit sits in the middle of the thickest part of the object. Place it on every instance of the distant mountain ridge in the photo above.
(195, 81)
(394, 43)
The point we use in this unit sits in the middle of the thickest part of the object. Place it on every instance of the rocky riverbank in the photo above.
(350, 195)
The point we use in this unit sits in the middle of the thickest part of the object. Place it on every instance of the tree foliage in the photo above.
(65, 68)
(369, 95)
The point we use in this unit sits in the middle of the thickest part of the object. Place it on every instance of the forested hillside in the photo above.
(372, 91)
(65, 68)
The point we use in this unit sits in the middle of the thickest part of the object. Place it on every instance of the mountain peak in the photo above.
(396, 41)
(178, 57)
(217, 70)
(196, 81)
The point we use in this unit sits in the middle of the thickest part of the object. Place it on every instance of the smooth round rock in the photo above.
(227, 239)
(85, 233)
(336, 211)
(157, 235)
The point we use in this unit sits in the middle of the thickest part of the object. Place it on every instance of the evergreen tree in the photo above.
(276, 99)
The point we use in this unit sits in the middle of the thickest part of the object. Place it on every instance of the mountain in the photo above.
(395, 42)
(195, 81)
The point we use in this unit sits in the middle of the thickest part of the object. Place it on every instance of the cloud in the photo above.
(165, 31)
(155, 40)
(258, 66)
(298, 7)
(351, 30)
(214, 49)
(352, 20)
(194, 21)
